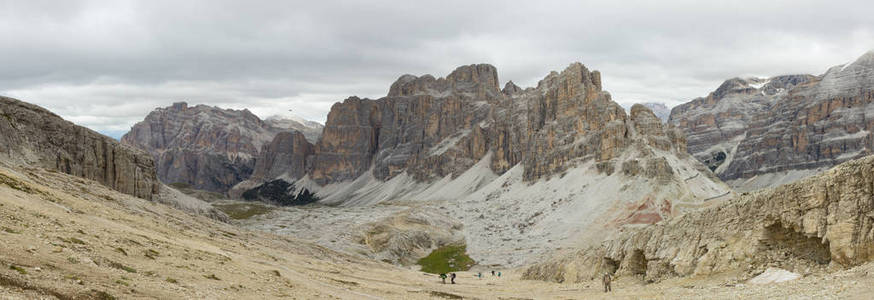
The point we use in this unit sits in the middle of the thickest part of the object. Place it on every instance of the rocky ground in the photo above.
(69, 238)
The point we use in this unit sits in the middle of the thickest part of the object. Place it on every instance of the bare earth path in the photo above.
(63, 237)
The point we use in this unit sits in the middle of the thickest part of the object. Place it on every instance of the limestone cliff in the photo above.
(30, 134)
(763, 132)
(206, 147)
(824, 220)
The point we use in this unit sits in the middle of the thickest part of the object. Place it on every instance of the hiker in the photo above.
(443, 277)
(452, 278)
(480, 275)
(499, 274)
(606, 280)
(493, 272)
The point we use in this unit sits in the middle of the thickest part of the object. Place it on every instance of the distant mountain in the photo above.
(659, 109)
(207, 147)
(760, 132)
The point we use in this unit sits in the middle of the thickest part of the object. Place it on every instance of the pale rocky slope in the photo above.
(71, 238)
(763, 132)
(823, 222)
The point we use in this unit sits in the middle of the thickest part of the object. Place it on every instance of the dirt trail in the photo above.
(68, 238)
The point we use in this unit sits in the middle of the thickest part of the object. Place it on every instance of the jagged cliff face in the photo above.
(30, 134)
(533, 169)
(431, 128)
(763, 132)
(825, 220)
(206, 147)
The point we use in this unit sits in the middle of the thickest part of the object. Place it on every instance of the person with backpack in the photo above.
(443, 277)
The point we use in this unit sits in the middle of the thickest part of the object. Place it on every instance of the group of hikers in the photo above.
(452, 276)
(605, 280)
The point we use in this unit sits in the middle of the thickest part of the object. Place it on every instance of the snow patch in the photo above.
(774, 275)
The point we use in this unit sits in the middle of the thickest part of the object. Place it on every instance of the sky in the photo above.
(106, 64)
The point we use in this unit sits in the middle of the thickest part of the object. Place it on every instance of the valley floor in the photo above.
(68, 238)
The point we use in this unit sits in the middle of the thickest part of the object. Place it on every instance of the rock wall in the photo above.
(205, 147)
(33, 135)
(431, 127)
(823, 220)
(766, 127)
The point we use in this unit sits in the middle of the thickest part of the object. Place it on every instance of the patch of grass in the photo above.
(445, 295)
(211, 276)
(151, 254)
(72, 240)
(121, 250)
(180, 185)
(16, 184)
(447, 259)
(10, 230)
(171, 280)
(276, 273)
(122, 267)
(101, 295)
(122, 282)
(18, 269)
(242, 211)
(73, 260)
(345, 282)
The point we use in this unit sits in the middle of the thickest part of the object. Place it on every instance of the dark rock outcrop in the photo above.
(30, 134)
(280, 192)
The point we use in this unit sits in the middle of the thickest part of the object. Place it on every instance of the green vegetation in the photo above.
(122, 267)
(211, 276)
(15, 184)
(10, 230)
(277, 192)
(152, 254)
(121, 250)
(242, 211)
(445, 295)
(101, 295)
(20, 270)
(447, 259)
(180, 185)
(171, 280)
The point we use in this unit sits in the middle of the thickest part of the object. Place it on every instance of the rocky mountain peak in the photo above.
(784, 128)
(206, 147)
(478, 76)
(510, 88)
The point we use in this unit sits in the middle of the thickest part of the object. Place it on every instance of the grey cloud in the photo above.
(105, 64)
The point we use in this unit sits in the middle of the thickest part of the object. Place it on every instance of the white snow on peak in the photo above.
(758, 83)
(293, 117)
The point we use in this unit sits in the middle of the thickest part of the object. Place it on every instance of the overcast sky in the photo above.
(106, 64)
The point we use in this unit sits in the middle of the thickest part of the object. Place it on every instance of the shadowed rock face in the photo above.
(808, 224)
(33, 135)
(205, 147)
(750, 127)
